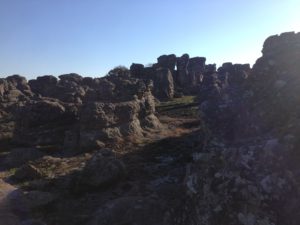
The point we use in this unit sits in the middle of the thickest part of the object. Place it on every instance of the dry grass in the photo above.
(179, 107)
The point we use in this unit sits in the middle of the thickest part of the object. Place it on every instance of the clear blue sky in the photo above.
(90, 37)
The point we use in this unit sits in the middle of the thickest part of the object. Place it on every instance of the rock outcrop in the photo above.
(14, 91)
(184, 75)
(239, 166)
(73, 112)
(252, 175)
(101, 171)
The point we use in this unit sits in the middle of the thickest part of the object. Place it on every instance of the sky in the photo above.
(90, 37)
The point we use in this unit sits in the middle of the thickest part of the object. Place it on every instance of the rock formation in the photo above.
(74, 112)
(251, 176)
(238, 165)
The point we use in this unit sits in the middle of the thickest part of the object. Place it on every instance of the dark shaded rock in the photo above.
(196, 68)
(43, 122)
(210, 69)
(71, 77)
(120, 72)
(130, 210)
(67, 89)
(101, 171)
(27, 172)
(88, 81)
(234, 74)
(137, 70)
(163, 84)
(20, 156)
(27, 202)
(43, 85)
(32, 222)
(182, 69)
(277, 69)
(256, 165)
(167, 61)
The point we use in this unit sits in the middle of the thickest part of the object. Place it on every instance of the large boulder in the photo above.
(275, 76)
(68, 88)
(100, 122)
(13, 89)
(101, 171)
(43, 123)
(137, 70)
(259, 164)
(163, 84)
(44, 85)
(235, 74)
(182, 69)
(196, 68)
(167, 61)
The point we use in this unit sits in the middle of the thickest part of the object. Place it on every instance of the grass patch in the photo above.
(186, 106)
(12, 171)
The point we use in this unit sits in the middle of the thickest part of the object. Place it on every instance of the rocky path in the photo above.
(7, 217)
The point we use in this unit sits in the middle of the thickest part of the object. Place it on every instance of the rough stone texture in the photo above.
(19, 156)
(101, 171)
(137, 70)
(129, 210)
(186, 77)
(25, 202)
(167, 61)
(246, 171)
(14, 91)
(182, 69)
(104, 120)
(43, 123)
(234, 74)
(163, 83)
(68, 88)
(27, 172)
(51, 113)
(196, 68)
(252, 175)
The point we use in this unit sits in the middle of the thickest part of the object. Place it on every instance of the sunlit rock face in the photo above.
(14, 91)
(68, 88)
(172, 75)
(73, 112)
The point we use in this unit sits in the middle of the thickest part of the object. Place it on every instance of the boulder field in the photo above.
(175, 143)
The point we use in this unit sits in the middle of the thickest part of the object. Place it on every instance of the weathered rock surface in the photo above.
(167, 61)
(43, 122)
(69, 88)
(19, 156)
(101, 171)
(73, 112)
(129, 210)
(245, 171)
(163, 83)
(251, 176)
